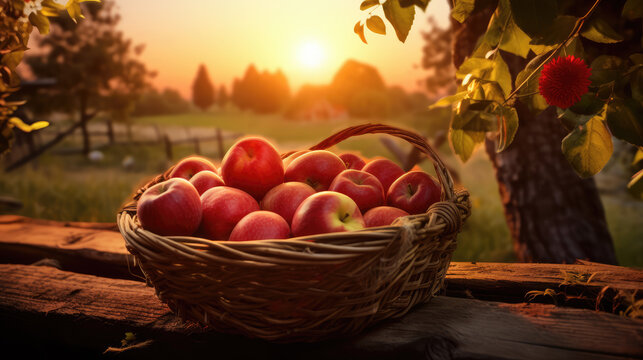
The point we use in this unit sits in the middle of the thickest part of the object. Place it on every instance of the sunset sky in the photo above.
(308, 40)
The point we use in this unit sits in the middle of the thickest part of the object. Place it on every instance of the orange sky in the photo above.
(308, 40)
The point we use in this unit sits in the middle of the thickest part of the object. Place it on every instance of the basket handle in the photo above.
(444, 177)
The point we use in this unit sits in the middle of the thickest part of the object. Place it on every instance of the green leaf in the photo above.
(559, 30)
(422, 4)
(625, 120)
(588, 147)
(462, 9)
(41, 22)
(635, 186)
(475, 66)
(463, 142)
(636, 83)
(359, 30)
(598, 30)
(529, 91)
(500, 74)
(589, 104)
(401, 18)
(636, 58)
(503, 32)
(605, 69)
(367, 4)
(532, 16)
(17, 122)
(633, 9)
(571, 120)
(448, 100)
(376, 25)
(508, 126)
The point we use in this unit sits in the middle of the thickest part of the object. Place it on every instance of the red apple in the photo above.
(362, 187)
(384, 170)
(205, 180)
(352, 161)
(223, 207)
(316, 168)
(293, 156)
(414, 192)
(172, 207)
(326, 212)
(382, 216)
(260, 225)
(284, 198)
(190, 166)
(252, 165)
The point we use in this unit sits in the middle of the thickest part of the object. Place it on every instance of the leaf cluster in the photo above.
(16, 23)
(607, 35)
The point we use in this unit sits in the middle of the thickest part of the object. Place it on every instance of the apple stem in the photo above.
(410, 190)
(344, 217)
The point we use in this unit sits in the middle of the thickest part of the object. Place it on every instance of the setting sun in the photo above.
(311, 54)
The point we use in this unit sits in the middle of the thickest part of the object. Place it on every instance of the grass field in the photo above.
(71, 187)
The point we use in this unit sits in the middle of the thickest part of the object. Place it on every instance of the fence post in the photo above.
(220, 143)
(168, 147)
(159, 136)
(197, 146)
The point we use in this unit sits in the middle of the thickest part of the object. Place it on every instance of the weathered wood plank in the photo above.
(89, 248)
(97, 249)
(86, 313)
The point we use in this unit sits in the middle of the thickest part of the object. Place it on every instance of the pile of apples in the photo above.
(256, 195)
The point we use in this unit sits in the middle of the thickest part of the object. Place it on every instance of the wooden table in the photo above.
(72, 289)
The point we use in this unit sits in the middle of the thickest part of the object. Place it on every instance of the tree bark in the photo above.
(552, 214)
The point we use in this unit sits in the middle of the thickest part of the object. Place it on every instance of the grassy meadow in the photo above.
(71, 187)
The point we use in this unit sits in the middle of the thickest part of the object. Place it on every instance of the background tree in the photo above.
(17, 20)
(263, 92)
(95, 67)
(500, 49)
(222, 97)
(202, 89)
(437, 60)
(169, 101)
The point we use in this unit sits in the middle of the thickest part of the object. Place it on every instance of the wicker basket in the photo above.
(307, 288)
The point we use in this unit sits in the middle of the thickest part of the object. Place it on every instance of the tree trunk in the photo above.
(553, 215)
(110, 130)
(84, 119)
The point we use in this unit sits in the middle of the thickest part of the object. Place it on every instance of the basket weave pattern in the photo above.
(307, 288)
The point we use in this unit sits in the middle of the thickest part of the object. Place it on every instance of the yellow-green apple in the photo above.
(362, 187)
(352, 161)
(191, 166)
(316, 168)
(172, 207)
(205, 180)
(384, 170)
(382, 216)
(414, 192)
(260, 225)
(284, 198)
(253, 165)
(223, 207)
(293, 156)
(326, 212)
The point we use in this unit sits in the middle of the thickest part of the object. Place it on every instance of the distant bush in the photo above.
(161, 103)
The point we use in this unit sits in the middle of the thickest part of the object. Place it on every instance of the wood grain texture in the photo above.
(43, 305)
(96, 249)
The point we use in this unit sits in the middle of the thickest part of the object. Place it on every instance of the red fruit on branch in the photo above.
(564, 80)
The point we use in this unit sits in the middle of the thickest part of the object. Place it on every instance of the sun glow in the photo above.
(311, 54)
